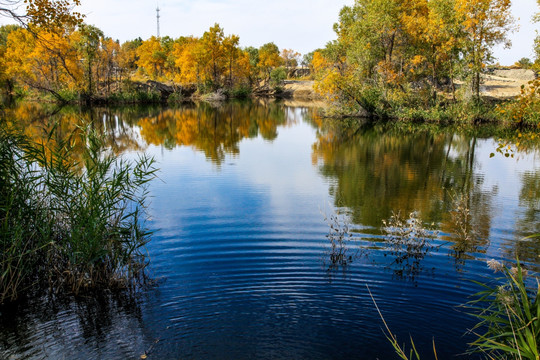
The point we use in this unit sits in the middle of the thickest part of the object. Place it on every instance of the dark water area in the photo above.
(242, 252)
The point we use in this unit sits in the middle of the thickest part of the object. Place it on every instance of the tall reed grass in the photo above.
(69, 225)
(509, 315)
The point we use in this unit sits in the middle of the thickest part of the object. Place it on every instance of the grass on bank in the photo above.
(425, 106)
(68, 225)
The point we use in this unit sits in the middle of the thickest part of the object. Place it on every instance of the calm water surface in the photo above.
(242, 251)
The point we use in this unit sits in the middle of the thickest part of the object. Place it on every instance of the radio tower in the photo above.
(157, 16)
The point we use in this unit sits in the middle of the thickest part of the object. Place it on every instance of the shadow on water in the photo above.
(101, 325)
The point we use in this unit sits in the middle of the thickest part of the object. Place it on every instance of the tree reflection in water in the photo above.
(378, 169)
(526, 244)
(74, 327)
(215, 131)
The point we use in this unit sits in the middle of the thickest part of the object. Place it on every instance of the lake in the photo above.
(269, 230)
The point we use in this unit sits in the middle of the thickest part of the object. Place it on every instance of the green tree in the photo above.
(269, 59)
(89, 45)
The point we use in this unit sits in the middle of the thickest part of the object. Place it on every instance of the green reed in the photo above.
(509, 313)
(508, 316)
(66, 224)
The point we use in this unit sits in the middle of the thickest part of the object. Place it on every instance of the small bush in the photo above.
(176, 98)
(408, 242)
(69, 95)
(524, 111)
(340, 251)
(135, 96)
(241, 92)
(277, 76)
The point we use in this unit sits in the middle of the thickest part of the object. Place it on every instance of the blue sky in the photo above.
(302, 25)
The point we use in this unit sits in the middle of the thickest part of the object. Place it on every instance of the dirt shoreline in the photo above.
(500, 85)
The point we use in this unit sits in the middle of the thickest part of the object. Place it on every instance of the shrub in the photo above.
(241, 92)
(176, 98)
(277, 76)
(524, 111)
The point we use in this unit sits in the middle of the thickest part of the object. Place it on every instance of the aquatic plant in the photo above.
(339, 252)
(68, 224)
(398, 348)
(509, 315)
(408, 242)
(23, 220)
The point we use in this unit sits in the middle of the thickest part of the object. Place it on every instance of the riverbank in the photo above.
(501, 100)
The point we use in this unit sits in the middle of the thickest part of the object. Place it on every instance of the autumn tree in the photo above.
(48, 62)
(213, 60)
(167, 45)
(187, 54)
(486, 23)
(152, 57)
(88, 43)
(436, 34)
(108, 68)
(5, 81)
(290, 58)
(253, 55)
(307, 59)
(389, 49)
(231, 52)
(213, 53)
(50, 14)
(371, 33)
(269, 59)
(127, 55)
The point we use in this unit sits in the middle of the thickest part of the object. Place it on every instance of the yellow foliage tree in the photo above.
(151, 57)
(51, 14)
(213, 54)
(289, 58)
(269, 59)
(127, 55)
(231, 53)
(187, 55)
(50, 64)
(486, 23)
